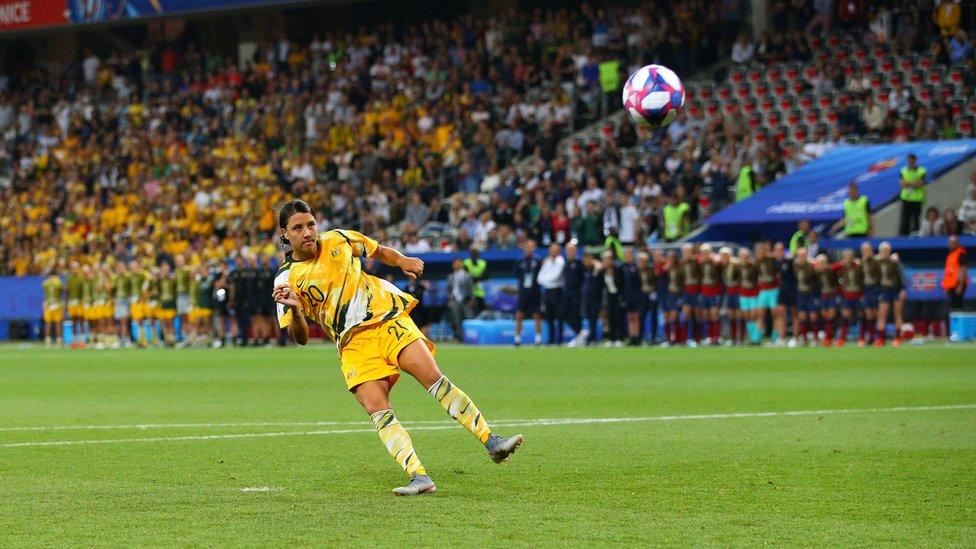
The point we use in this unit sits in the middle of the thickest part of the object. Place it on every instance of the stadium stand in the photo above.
(443, 135)
(178, 149)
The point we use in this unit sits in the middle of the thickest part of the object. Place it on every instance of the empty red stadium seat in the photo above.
(965, 126)
(916, 79)
(925, 94)
(737, 76)
(887, 65)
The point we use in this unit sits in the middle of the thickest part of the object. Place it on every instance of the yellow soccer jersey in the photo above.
(335, 292)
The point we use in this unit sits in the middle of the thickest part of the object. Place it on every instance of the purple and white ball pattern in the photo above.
(653, 96)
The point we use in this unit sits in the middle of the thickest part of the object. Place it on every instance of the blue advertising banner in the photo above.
(21, 297)
(817, 190)
(926, 285)
(95, 11)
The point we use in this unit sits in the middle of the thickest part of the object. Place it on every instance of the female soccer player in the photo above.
(369, 320)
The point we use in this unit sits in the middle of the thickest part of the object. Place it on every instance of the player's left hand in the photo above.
(282, 294)
(412, 267)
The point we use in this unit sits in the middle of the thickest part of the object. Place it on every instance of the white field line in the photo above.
(147, 426)
(440, 425)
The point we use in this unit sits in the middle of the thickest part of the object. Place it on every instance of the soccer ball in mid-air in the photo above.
(653, 96)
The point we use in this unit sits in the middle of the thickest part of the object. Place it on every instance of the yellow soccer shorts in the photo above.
(200, 313)
(165, 313)
(75, 309)
(53, 313)
(137, 310)
(373, 352)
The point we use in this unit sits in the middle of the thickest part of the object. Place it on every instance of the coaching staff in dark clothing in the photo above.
(572, 291)
(529, 296)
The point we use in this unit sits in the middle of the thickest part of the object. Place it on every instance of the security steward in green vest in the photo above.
(476, 267)
(912, 195)
(675, 218)
(857, 215)
(799, 238)
(745, 186)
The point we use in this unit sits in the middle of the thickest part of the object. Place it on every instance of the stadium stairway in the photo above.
(947, 191)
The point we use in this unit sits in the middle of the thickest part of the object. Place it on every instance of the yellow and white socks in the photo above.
(460, 407)
(397, 441)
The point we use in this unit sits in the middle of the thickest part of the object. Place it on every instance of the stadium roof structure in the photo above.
(817, 190)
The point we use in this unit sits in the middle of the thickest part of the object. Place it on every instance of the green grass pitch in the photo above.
(623, 446)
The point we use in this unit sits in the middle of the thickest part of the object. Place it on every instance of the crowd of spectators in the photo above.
(431, 136)
(402, 126)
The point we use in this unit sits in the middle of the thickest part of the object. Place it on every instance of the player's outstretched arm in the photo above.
(411, 266)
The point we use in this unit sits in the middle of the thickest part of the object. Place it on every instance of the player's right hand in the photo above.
(282, 294)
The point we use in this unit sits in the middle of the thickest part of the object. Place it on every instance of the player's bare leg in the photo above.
(881, 326)
(416, 360)
(779, 324)
(519, 317)
(633, 328)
